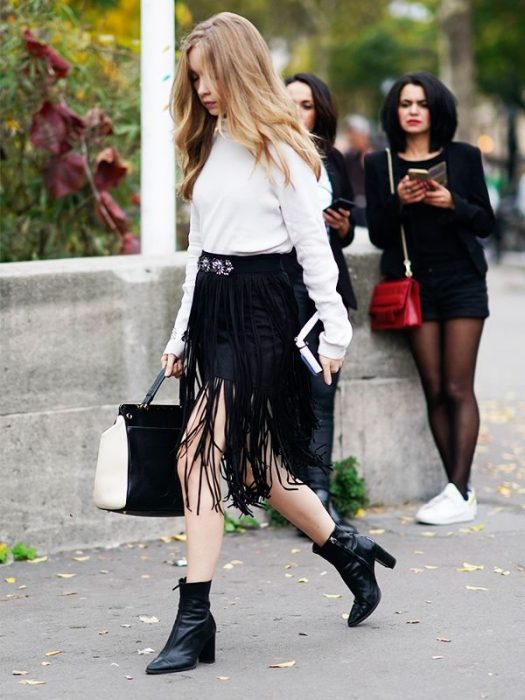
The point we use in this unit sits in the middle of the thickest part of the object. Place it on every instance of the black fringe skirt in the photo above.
(248, 411)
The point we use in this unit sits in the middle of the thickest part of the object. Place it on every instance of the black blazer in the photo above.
(335, 167)
(472, 215)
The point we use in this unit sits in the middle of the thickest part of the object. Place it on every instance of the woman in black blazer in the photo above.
(443, 221)
(317, 111)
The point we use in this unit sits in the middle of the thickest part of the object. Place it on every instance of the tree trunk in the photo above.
(457, 60)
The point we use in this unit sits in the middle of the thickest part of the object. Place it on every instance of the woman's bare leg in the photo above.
(204, 523)
(300, 505)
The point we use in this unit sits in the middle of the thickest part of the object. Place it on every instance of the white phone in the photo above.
(307, 355)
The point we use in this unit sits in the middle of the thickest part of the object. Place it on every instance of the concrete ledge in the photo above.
(81, 336)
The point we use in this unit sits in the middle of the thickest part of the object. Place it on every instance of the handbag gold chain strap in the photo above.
(406, 261)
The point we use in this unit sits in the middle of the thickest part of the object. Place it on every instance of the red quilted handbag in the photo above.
(395, 305)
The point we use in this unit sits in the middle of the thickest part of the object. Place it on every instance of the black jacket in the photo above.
(336, 169)
(472, 215)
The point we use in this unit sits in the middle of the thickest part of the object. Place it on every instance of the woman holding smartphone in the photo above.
(443, 221)
(318, 114)
(249, 169)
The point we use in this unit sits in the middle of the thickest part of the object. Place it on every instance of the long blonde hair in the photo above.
(252, 97)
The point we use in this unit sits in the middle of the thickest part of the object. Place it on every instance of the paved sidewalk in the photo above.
(438, 632)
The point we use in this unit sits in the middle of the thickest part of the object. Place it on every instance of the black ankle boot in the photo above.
(193, 635)
(354, 557)
(324, 496)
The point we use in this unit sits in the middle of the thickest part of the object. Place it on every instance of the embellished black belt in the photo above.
(226, 265)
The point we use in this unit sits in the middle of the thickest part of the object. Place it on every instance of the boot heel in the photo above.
(383, 557)
(207, 655)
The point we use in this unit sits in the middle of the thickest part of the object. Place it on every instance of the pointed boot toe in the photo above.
(354, 557)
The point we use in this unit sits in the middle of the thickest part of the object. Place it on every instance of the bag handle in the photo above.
(161, 376)
(406, 260)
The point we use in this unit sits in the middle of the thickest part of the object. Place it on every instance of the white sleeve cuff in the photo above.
(175, 347)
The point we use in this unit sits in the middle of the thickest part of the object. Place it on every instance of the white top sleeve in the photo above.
(299, 202)
(176, 343)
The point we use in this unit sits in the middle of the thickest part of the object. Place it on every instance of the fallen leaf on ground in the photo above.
(10, 579)
(443, 639)
(37, 560)
(228, 566)
(223, 678)
(503, 572)
(413, 622)
(180, 538)
(145, 576)
(332, 595)
(476, 528)
(437, 657)
(415, 570)
(471, 567)
(103, 571)
(65, 575)
(360, 513)
(29, 681)
(431, 567)
(345, 616)
(295, 550)
(284, 664)
(129, 678)
(476, 588)
(103, 632)
(235, 562)
(45, 663)
(428, 534)
(20, 673)
(377, 531)
(65, 593)
(148, 619)
(81, 558)
(52, 653)
(127, 626)
(288, 576)
(147, 650)
(302, 580)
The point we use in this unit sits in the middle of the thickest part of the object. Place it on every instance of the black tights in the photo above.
(445, 354)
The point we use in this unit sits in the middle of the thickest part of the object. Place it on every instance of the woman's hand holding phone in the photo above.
(412, 191)
(438, 196)
(338, 220)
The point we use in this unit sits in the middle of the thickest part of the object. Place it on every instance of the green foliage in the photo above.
(21, 552)
(239, 525)
(4, 552)
(103, 74)
(348, 489)
(276, 519)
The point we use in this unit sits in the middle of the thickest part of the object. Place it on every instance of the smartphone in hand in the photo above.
(341, 203)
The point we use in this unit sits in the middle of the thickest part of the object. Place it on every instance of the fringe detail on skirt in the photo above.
(240, 355)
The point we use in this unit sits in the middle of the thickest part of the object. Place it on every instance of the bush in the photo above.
(69, 132)
(348, 489)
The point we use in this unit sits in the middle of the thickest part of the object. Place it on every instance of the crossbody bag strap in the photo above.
(406, 260)
(161, 376)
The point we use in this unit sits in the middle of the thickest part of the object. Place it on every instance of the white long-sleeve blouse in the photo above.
(237, 210)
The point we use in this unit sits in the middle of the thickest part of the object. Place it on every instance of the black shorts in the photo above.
(452, 290)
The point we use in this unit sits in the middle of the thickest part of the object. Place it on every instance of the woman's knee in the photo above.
(459, 391)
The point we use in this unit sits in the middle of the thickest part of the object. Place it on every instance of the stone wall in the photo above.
(80, 336)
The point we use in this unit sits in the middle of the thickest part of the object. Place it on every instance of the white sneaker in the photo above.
(448, 507)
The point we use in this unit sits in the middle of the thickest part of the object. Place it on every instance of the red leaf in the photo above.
(65, 174)
(54, 128)
(111, 214)
(74, 124)
(135, 198)
(49, 130)
(96, 120)
(130, 245)
(110, 170)
(58, 67)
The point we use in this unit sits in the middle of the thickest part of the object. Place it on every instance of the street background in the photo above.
(83, 624)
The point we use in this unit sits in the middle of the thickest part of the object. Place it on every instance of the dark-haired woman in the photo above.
(318, 114)
(442, 224)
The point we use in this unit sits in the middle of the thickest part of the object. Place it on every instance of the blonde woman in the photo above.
(249, 169)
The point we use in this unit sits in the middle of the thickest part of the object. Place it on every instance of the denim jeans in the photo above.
(323, 395)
